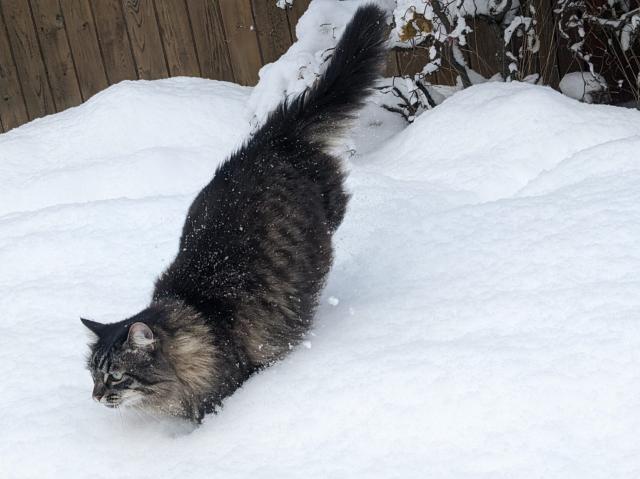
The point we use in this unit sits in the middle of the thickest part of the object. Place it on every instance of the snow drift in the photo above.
(482, 318)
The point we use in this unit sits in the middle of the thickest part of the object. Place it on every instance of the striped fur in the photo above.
(254, 253)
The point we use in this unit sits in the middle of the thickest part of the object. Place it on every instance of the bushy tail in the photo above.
(325, 109)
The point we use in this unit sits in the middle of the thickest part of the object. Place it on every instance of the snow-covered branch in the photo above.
(284, 3)
(442, 27)
(603, 33)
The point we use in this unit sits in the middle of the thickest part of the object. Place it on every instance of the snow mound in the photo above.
(114, 141)
(491, 144)
(482, 318)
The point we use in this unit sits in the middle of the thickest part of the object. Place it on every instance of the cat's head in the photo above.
(140, 361)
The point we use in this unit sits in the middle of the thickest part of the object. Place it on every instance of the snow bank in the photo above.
(111, 145)
(490, 145)
(482, 318)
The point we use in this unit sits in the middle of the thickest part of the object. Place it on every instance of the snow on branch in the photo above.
(441, 28)
(284, 3)
(603, 34)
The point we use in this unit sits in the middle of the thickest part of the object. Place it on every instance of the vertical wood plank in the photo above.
(392, 69)
(272, 27)
(483, 47)
(31, 69)
(13, 111)
(446, 75)
(411, 60)
(565, 60)
(244, 50)
(85, 50)
(175, 32)
(210, 40)
(114, 41)
(56, 53)
(294, 13)
(546, 30)
(146, 45)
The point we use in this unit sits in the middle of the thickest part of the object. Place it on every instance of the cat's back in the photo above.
(256, 245)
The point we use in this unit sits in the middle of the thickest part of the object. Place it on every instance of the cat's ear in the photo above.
(94, 327)
(140, 336)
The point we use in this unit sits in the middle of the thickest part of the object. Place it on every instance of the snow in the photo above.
(109, 146)
(284, 3)
(582, 85)
(488, 321)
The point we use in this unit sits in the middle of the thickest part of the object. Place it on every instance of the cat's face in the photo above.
(162, 360)
(126, 365)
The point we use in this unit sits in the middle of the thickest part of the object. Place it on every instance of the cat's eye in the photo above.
(115, 377)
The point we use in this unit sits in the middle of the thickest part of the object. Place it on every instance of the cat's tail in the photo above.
(326, 108)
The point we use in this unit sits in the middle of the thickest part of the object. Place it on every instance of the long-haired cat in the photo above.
(254, 253)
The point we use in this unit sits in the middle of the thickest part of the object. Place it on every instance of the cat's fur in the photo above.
(254, 252)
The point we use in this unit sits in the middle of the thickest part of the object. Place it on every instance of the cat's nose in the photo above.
(98, 392)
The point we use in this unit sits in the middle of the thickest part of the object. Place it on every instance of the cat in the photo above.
(254, 253)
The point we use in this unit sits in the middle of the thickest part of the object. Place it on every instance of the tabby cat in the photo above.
(254, 252)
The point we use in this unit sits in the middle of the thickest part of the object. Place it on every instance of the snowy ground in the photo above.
(482, 318)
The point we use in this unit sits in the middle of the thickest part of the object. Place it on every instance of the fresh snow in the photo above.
(482, 318)
(582, 85)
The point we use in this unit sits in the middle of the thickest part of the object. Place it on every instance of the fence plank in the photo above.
(209, 36)
(294, 13)
(545, 28)
(392, 69)
(244, 50)
(13, 111)
(411, 60)
(177, 38)
(446, 75)
(146, 45)
(57, 53)
(483, 48)
(83, 41)
(54, 53)
(565, 60)
(114, 41)
(272, 26)
(31, 70)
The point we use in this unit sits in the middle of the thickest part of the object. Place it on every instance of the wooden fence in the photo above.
(55, 54)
